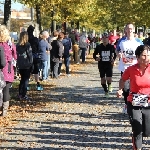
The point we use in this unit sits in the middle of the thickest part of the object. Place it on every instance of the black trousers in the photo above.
(6, 95)
(125, 93)
(140, 122)
(25, 75)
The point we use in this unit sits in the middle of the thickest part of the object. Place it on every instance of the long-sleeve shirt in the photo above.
(43, 47)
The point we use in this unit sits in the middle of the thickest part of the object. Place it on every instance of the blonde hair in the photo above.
(4, 33)
(23, 38)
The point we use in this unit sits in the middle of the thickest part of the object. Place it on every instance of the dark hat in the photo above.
(30, 28)
(105, 34)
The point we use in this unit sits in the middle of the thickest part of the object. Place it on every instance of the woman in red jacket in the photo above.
(138, 106)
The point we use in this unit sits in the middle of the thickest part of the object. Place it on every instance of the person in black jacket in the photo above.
(105, 60)
(25, 63)
(56, 54)
(34, 42)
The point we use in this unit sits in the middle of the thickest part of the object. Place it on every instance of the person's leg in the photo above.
(59, 68)
(125, 95)
(52, 69)
(135, 117)
(90, 48)
(103, 83)
(26, 81)
(56, 65)
(36, 73)
(21, 85)
(146, 121)
(48, 65)
(83, 54)
(44, 70)
(6, 98)
(109, 73)
(66, 62)
(103, 79)
(6, 95)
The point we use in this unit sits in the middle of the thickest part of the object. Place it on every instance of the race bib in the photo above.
(105, 55)
(105, 58)
(128, 60)
(140, 100)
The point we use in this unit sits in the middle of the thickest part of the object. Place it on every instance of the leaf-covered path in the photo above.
(75, 117)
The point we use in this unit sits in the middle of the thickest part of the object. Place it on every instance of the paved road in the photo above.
(77, 117)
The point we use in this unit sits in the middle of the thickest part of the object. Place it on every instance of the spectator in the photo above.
(44, 48)
(8, 70)
(67, 46)
(83, 46)
(34, 42)
(56, 54)
(25, 63)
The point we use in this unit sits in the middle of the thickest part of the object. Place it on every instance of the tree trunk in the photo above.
(78, 25)
(7, 13)
(38, 16)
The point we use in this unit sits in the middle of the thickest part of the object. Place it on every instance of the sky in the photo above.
(16, 5)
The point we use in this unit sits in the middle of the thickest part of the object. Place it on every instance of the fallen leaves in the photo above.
(23, 109)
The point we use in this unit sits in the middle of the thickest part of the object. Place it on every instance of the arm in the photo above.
(118, 49)
(125, 76)
(114, 53)
(95, 53)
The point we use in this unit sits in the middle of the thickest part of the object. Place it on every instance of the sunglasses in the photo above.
(105, 37)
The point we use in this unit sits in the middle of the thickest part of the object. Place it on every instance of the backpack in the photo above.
(2, 58)
(82, 42)
(2, 65)
(24, 56)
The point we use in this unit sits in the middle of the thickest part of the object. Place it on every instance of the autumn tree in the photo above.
(95, 14)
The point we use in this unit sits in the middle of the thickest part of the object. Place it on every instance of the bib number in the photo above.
(140, 100)
(128, 60)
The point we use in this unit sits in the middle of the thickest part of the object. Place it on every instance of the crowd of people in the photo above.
(43, 57)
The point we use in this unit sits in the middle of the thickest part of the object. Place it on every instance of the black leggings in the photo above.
(140, 122)
(6, 95)
(125, 93)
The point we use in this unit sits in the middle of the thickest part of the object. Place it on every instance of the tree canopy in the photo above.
(95, 14)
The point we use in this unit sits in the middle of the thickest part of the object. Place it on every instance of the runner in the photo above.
(105, 60)
(126, 53)
(138, 105)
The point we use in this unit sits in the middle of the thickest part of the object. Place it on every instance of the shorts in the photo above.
(36, 68)
(106, 70)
